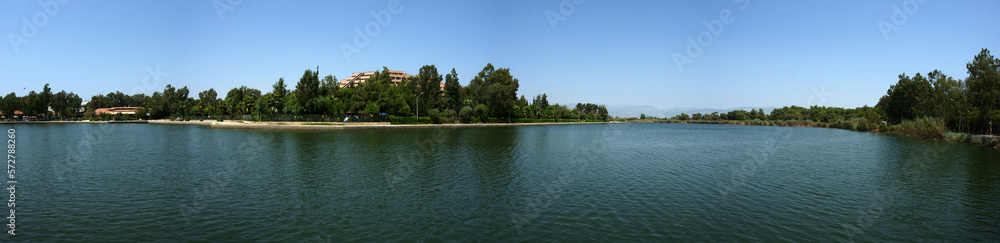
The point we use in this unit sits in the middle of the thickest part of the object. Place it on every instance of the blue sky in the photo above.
(772, 53)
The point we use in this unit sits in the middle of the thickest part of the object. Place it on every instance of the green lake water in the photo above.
(596, 182)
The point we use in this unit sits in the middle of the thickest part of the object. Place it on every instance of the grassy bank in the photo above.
(926, 128)
(972, 139)
(853, 125)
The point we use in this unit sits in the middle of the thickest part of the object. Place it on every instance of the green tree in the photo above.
(32, 104)
(137, 100)
(59, 103)
(155, 106)
(496, 89)
(209, 100)
(11, 103)
(793, 113)
(542, 100)
(454, 91)
(242, 100)
(307, 90)
(280, 94)
(329, 86)
(427, 85)
(984, 82)
(480, 113)
(465, 114)
(738, 115)
(947, 99)
(372, 108)
(179, 103)
(907, 99)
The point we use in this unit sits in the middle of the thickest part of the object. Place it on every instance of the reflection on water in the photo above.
(623, 182)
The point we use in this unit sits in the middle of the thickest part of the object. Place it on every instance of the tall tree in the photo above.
(541, 100)
(208, 100)
(947, 96)
(179, 102)
(45, 99)
(307, 90)
(984, 82)
(496, 89)
(241, 101)
(427, 86)
(907, 99)
(453, 90)
(389, 99)
(11, 103)
(329, 86)
(59, 103)
(32, 105)
(73, 103)
(280, 94)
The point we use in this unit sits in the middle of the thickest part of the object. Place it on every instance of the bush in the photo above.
(480, 113)
(409, 120)
(927, 127)
(973, 139)
(466, 114)
(371, 108)
(402, 119)
(435, 116)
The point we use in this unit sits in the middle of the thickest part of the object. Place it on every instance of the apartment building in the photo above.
(358, 78)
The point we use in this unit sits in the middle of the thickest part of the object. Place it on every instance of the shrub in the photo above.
(927, 127)
(480, 113)
(466, 114)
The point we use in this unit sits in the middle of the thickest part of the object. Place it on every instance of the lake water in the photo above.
(598, 182)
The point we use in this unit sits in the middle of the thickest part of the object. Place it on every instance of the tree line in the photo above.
(790, 113)
(491, 96)
(971, 105)
(38, 104)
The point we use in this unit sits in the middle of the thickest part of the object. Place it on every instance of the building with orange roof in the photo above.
(116, 110)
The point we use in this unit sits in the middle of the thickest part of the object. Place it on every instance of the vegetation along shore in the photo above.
(935, 106)
(931, 106)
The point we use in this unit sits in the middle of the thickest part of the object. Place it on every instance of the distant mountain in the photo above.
(636, 111)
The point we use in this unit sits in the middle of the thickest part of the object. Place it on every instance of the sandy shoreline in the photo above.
(370, 126)
(234, 124)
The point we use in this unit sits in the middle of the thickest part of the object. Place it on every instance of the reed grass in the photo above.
(927, 127)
